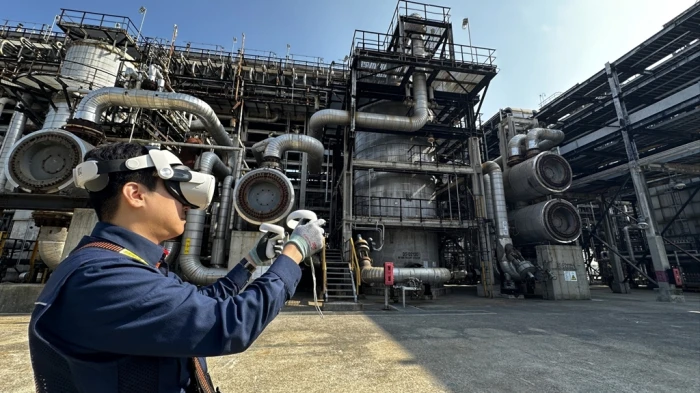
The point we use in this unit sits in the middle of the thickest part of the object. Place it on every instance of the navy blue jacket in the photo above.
(100, 309)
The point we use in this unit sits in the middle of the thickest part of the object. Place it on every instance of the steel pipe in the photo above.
(92, 106)
(430, 276)
(413, 123)
(14, 132)
(542, 139)
(223, 215)
(276, 148)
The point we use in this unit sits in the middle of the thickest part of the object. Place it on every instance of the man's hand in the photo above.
(307, 238)
(261, 252)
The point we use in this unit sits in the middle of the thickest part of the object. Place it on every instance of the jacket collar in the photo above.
(139, 245)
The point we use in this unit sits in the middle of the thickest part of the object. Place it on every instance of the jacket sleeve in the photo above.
(229, 285)
(126, 308)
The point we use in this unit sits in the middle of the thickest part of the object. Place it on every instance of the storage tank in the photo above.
(395, 195)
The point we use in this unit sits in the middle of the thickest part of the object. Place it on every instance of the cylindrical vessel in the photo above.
(92, 62)
(544, 174)
(397, 195)
(51, 242)
(43, 161)
(406, 247)
(555, 220)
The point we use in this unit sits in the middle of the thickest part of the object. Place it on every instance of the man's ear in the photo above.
(134, 194)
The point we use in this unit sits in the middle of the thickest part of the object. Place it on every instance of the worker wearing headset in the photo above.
(113, 318)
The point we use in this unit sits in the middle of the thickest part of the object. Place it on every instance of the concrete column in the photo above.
(83, 222)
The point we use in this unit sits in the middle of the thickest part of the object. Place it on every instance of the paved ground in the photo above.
(459, 343)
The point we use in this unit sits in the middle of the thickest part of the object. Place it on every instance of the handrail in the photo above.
(325, 276)
(355, 268)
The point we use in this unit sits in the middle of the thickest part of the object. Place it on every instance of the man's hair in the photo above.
(106, 201)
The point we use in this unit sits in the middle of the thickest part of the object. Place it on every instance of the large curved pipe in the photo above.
(488, 197)
(219, 244)
(294, 142)
(51, 241)
(190, 260)
(4, 101)
(258, 149)
(515, 149)
(92, 106)
(542, 139)
(14, 132)
(500, 215)
(420, 117)
(210, 163)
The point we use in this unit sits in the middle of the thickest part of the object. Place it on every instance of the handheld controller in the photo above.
(279, 234)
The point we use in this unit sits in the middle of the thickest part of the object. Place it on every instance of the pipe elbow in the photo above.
(293, 142)
(489, 167)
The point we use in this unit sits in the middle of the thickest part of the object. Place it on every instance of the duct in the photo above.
(515, 149)
(211, 163)
(420, 117)
(488, 197)
(223, 215)
(498, 199)
(302, 143)
(92, 106)
(4, 101)
(546, 173)
(189, 260)
(272, 119)
(555, 220)
(57, 118)
(542, 139)
(14, 132)
(259, 149)
(51, 243)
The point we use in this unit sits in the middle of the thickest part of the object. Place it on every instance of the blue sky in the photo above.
(542, 46)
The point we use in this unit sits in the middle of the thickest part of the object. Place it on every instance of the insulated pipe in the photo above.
(413, 123)
(516, 148)
(500, 214)
(430, 276)
(92, 106)
(302, 143)
(542, 139)
(219, 244)
(488, 197)
(51, 243)
(4, 101)
(259, 149)
(190, 261)
(14, 132)
(498, 198)
(210, 163)
(272, 119)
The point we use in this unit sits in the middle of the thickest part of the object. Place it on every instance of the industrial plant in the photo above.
(598, 186)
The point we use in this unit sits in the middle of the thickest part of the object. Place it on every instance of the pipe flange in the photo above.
(44, 161)
(563, 221)
(86, 130)
(263, 195)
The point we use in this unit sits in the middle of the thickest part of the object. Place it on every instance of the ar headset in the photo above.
(193, 189)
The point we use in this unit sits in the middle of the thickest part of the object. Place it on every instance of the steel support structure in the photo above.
(666, 290)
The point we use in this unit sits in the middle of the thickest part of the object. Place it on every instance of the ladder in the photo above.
(340, 285)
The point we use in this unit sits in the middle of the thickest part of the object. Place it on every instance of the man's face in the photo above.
(168, 214)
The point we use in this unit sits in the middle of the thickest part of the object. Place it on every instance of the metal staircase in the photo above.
(340, 283)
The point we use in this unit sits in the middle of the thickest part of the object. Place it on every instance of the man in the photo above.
(113, 318)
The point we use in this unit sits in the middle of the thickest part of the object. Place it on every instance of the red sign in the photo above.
(388, 273)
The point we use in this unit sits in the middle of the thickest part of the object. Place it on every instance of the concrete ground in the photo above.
(458, 343)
